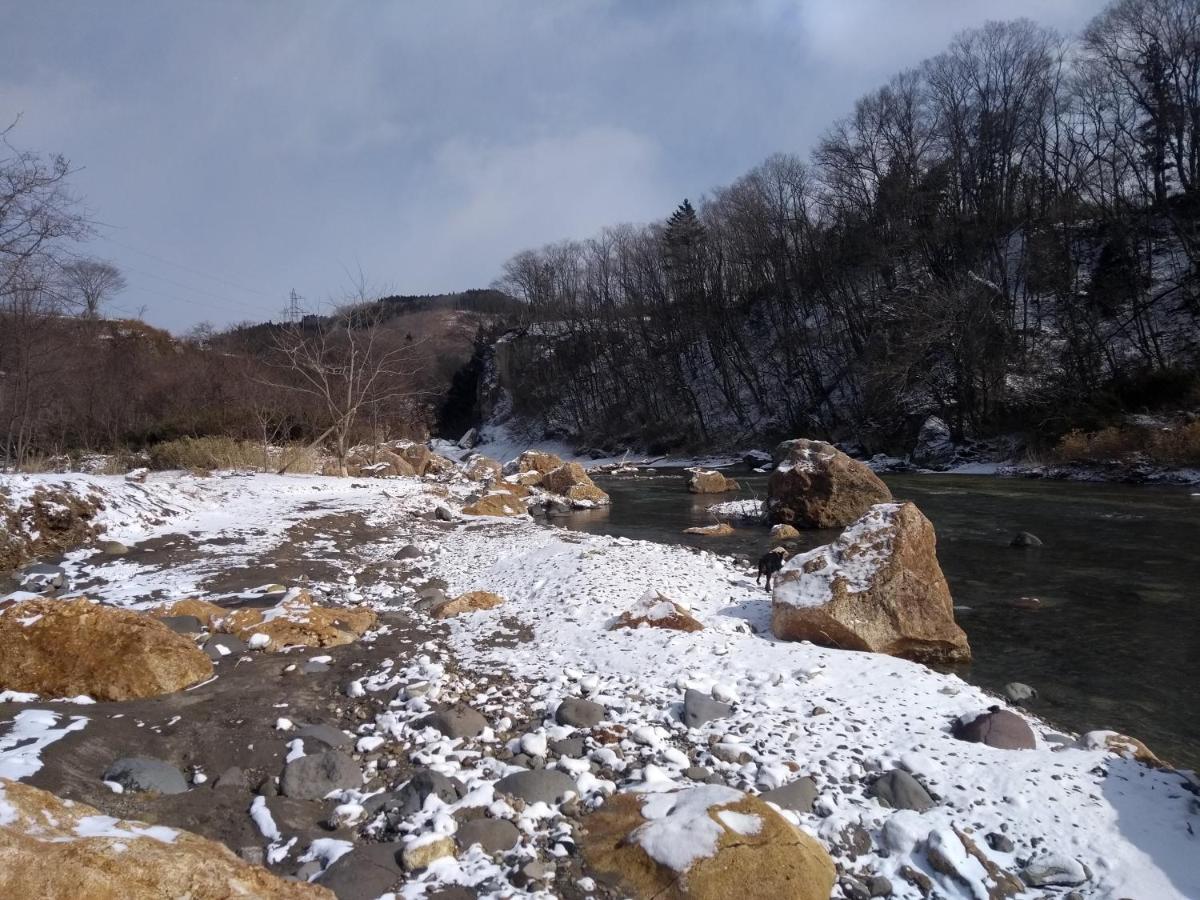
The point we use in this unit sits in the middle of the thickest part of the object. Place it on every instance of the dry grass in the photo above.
(1178, 445)
(209, 453)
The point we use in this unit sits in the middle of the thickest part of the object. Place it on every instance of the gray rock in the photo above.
(899, 790)
(853, 889)
(457, 721)
(1054, 870)
(233, 646)
(409, 551)
(494, 835)
(572, 747)
(313, 777)
(326, 735)
(538, 785)
(314, 668)
(798, 795)
(364, 873)
(42, 576)
(1016, 692)
(998, 728)
(700, 708)
(934, 448)
(1025, 539)
(307, 870)
(443, 513)
(469, 440)
(697, 773)
(183, 624)
(234, 778)
(141, 773)
(1001, 843)
(879, 886)
(410, 797)
(579, 713)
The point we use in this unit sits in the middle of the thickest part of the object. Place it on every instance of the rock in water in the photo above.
(572, 481)
(735, 846)
(815, 485)
(65, 648)
(141, 773)
(878, 587)
(709, 481)
(998, 728)
(782, 532)
(52, 849)
(720, 529)
(1016, 692)
(1025, 539)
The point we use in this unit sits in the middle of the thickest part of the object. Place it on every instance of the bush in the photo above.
(206, 453)
(1177, 445)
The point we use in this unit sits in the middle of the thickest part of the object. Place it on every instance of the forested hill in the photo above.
(1005, 236)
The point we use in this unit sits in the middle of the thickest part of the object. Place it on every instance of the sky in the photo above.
(232, 151)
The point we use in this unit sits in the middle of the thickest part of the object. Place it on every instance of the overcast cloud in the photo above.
(234, 150)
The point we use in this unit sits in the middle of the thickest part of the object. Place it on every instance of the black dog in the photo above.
(770, 563)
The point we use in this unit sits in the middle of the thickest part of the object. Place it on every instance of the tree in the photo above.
(91, 282)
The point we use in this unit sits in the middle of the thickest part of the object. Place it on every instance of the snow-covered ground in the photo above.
(840, 717)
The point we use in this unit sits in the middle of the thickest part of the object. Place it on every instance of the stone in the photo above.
(481, 468)
(815, 485)
(538, 786)
(1016, 692)
(709, 481)
(700, 708)
(409, 551)
(952, 853)
(183, 624)
(45, 852)
(472, 601)
(1054, 870)
(798, 795)
(1123, 745)
(533, 461)
(656, 610)
(232, 778)
(999, 728)
(298, 621)
(68, 648)
(571, 747)
(496, 503)
(417, 856)
(934, 448)
(314, 776)
(573, 482)
(425, 783)
(366, 872)
(113, 548)
(457, 721)
(493, 835)
(579, 713)
(142, 774)
(783, 532)
(220, 646)
(469, 440)
(697, 773)
(737, 846)
(879, 886)
(42, 576)
(312, 667)
(325, 735)
(877, 588)
(720, 529)
(1001, 843)
(899, 790)
(1025, 539)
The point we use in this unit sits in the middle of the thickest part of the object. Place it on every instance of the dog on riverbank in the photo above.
(770, 563)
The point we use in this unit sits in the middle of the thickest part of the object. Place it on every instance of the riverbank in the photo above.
(833, 721)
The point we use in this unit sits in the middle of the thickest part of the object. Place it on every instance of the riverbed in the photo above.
(1115, 642)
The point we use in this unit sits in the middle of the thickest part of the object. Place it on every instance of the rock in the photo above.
(782, 532)
(494, 835)
(409, 551)
(899, 790)
(1123, 745)
(533, 461)
(934, 448)
(573, 482)
(657, 610)
(232, 778)
(207, 613)
(798, 795)
(422, 854)
(853, 889)
(878, 587)
(65, 648)
(297, 621)
(879, 886)
(699, 708)
(443, 513)
(1054, 870)
(366, 872)
(469, 440)
(113, 548)
(1018, 693)
(579, 713)
(141, 773)
(697, 773)
(220, 646)
(736, 846)
(481, 468)
(41, 576)
(538, 786)
(183, 624)
(410, 798)
(50, 848)
(496, 503)
(314, 776)
(457, 721)
(1025, 539)
(720, 529)
(756, 458)
(1001, 843)
(953, 853)
(708, 481)
(1025, 603)
(571, 747)
(326, 736)
(464, 603)
(815, 485)
(998, 728)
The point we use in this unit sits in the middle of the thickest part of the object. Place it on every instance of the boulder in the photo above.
(534, 461)
(815, 485)
(65, 648)
(481, 468)
(314, 776)
(934, 448)
(1000, 728)
(799, 795)
(899, 790)
(141, 773)
(572, 481)
(365, 873)
(656, 610)
(496, 503)
(538, 786)
(878, 587)
(464, 603)
(735, 846)
(199, 609)
(417, 456)
(699, 709)
(493, 835)
(721, 529)
(457, 721)
(708, 481)
(469, 440)
(579, 713)
(297, 621)
(51, 848)
(421, 854)
(783, 532)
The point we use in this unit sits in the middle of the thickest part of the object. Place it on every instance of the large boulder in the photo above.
(815, 485)
(999, 728)
(297, 621)
(65, 648)
(481, 468)
(934, 448)
(55, 849)
(571, 480)
(533, 461)
(878, 587)
(497, 503)
(707, 842)
(708, 481)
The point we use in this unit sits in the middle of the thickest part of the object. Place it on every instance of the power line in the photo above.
(202, 274)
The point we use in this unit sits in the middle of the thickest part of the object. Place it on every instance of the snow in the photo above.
(679, 830)
(31, 732)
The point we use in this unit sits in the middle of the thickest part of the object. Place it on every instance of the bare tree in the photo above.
(90, 282)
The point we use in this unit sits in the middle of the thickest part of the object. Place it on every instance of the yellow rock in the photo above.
(721, 529)
(64, 648)
(201, 609)
(464, 603)
(421, 856)
(537, 461)
(498, 503)
(52, 849)
(297, 621)
(480, 467)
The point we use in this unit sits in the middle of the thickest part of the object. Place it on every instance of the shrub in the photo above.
(206, 453)
(1177, 445)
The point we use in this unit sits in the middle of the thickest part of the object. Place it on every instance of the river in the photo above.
(1116, 640)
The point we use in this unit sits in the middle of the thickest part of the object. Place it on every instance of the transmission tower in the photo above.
(293, 308)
